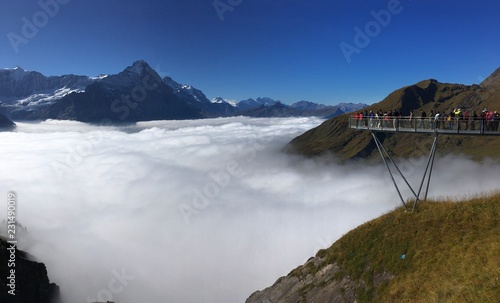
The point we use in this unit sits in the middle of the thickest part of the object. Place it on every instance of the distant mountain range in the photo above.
(137, 93)
(334, 137)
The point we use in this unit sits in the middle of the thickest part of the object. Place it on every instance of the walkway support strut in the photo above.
(430, 163)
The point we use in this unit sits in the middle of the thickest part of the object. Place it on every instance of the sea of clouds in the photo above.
(192, 211)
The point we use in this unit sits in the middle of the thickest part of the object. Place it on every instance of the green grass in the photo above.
(452, 254)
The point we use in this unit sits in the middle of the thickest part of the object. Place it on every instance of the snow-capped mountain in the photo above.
(137, 93)
(197, 99)
(220, 100)
(27, 89)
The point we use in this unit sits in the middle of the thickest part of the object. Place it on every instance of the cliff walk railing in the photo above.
(427, 125)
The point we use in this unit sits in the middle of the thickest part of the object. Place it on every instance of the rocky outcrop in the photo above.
(315, 282)
(6, 124)
(31, 280)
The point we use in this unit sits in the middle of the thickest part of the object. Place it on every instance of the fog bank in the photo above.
(192, 211)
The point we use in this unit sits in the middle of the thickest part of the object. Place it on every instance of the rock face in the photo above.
(321, 286)
(31, 280)
(314, 282)
(6, 124)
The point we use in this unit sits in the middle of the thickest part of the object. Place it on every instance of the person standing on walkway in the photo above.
(423, 115)
(436, 120)
(473, 121)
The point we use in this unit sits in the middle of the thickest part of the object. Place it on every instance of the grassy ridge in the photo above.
(336, 138)
(452, 254)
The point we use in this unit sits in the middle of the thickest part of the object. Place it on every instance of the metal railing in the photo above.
(455, 125)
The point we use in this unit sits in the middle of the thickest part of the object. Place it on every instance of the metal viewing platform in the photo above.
(456, 126)
(427, 125)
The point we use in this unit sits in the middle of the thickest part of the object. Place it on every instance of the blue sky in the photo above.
(238, 49)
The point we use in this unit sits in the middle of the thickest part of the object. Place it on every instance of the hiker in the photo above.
(496, 119)
(466, 119)
(450, 118)
(395, 120)
(436, 120)
(473, 122)
(482, 121)
(431, 119)
(490, 121)
(423, 115)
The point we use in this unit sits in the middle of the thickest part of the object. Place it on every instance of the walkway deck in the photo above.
(427, 126)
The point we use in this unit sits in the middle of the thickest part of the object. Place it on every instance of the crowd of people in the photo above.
(456, 119)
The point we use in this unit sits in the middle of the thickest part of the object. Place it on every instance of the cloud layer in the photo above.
(192, 211)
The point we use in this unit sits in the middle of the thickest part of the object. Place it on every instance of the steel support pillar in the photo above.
(430, 163)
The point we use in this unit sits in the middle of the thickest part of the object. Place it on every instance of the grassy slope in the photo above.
(452, 253)
(334, 136)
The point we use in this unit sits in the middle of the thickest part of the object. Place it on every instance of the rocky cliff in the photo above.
(6, 123)
(32, 284)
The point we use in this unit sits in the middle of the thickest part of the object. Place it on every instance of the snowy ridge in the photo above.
(99, 77)
(48, 97)
(220, 100)
(16, 73)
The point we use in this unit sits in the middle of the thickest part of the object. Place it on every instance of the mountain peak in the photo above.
(17, 73)
(492, 79)
(17, 68)
(138, 67)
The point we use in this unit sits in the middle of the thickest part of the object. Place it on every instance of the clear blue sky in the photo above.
(287, 50)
